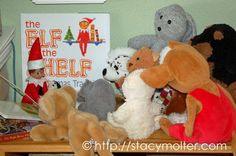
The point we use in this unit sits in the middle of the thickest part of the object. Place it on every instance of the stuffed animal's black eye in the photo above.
(161, 17)
(116, 67)
(169, 21)
(138, 58)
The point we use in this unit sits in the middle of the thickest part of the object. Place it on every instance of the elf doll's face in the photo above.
(83, 24)
(37, 73)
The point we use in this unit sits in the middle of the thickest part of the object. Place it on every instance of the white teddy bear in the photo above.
(137, 114)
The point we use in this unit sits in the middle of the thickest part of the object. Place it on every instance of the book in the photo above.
(13, 129)
(69, 56)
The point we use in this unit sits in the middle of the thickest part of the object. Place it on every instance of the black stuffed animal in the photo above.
(217, 44)
(222, 39)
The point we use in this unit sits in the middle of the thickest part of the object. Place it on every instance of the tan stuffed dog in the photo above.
(210, 108)
(64, 122)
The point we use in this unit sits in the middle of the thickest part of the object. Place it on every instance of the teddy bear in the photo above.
(64, 122)
(217, 44)
(170, 100)
(171, 23)
(137, 114)
(211, 111)
(97, 97)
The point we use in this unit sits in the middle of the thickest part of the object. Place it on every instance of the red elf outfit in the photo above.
(83, 37)
(214, 124)
(36, 87)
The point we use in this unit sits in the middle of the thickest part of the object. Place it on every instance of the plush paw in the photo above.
(188, 129)
(157, 121)
(164, 122)
(109, 117)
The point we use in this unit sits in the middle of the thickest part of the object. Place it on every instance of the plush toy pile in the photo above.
(170, 101)
(183, 89)
(64, 122)
(217, 44)
(210, 108)
(170, 23)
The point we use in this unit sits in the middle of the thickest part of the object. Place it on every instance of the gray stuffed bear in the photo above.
(97, 97)
(171, 23)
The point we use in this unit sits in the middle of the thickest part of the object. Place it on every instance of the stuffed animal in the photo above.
(64, 122)
(169, 99)
(53, 84)
(211, 110)
(137, 114)
(117, 60)
(97, 97)
(116, 68)
(217, 44)
(170, 23)
(142, 58)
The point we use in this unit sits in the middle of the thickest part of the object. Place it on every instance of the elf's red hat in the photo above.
(89, 20)
(35, 60)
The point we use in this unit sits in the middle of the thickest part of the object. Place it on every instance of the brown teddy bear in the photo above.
(145, 58)
(210, 108)
(64, 122)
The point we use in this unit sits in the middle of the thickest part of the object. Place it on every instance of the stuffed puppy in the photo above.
(137, 114)
(64, 122)
(210, 108)
(217, 44)
(170, 23)
(53, 84)
(116, 68)
(97, 97)
(116, 64)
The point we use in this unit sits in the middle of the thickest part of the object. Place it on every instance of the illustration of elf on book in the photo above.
(73, 49)
(87, 35)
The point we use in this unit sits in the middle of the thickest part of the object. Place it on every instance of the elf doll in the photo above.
(36, 82)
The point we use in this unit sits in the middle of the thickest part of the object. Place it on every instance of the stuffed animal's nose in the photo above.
(159, 28)
(130, 64)
(104, 72)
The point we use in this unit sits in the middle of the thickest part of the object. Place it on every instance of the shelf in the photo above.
(158, 139)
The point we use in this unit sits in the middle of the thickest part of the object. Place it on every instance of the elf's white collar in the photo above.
(40, 82)
(84, 30)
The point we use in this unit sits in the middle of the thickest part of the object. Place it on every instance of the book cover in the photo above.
(12, 129)
(74, 46)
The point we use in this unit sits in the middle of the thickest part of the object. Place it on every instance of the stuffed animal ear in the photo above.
(191, 28)
(218, 35)
(47, 110)
(172, 44)
(157, 76)
(71, 91)
(155, 56)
